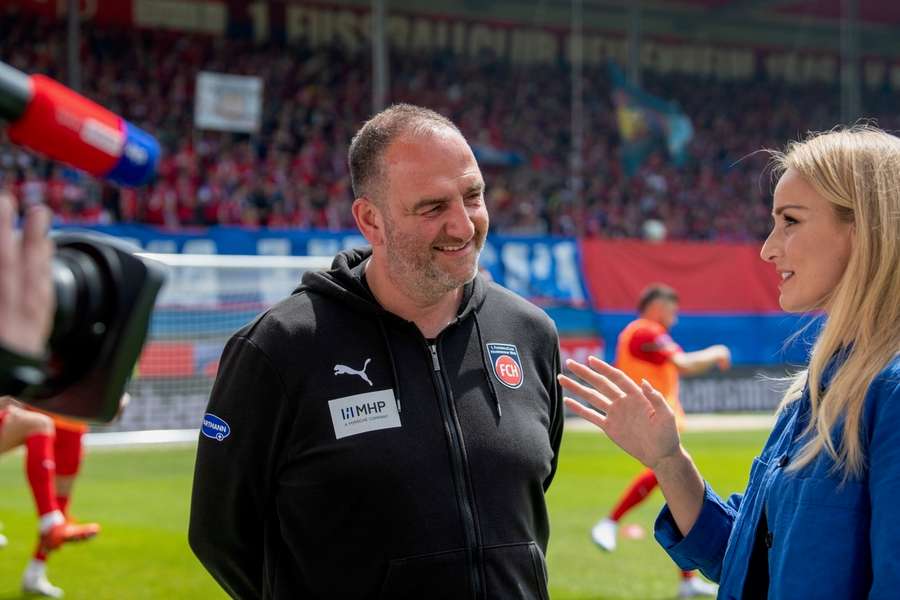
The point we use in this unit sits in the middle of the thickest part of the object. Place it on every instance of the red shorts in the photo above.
(63, 422)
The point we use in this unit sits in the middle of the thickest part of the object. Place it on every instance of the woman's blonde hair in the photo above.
(857, 169)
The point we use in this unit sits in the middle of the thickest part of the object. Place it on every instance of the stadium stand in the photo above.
(294, 174)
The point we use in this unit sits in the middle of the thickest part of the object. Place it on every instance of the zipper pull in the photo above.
(434, 357)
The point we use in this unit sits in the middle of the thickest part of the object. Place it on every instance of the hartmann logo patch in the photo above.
(352, 415)
(507, 364)
(214, 427)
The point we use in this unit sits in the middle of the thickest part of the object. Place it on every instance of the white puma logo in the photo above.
(345, 370)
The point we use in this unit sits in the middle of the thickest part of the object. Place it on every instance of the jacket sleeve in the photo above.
(557, 418)
(883, 454)
(704, 546)
(233, 477)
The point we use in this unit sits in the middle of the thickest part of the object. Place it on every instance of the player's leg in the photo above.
(35, 582)
(69, 452)
(692, 586)
(35, 432)
(604, 531)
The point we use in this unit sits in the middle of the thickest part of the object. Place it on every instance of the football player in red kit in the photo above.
(37, 433)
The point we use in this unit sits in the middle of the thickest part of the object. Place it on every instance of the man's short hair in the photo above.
(368, 145)
(656, 291)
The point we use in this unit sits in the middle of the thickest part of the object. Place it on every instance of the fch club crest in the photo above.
(507, 364)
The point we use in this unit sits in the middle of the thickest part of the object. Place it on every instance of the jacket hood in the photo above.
(344, 281)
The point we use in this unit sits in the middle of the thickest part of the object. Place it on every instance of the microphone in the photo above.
(53, 120)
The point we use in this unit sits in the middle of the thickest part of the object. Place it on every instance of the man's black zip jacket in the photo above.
(345, 456)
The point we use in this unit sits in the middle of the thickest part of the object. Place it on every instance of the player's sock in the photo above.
(34, 580)
(604, 534)
(695, 587)
(52, 533)
(639, 489)
(63, 503)
(40, 467)
(67, 447)
(50, 520)
(687, 574)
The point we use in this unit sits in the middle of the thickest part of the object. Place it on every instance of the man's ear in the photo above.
(369, 220)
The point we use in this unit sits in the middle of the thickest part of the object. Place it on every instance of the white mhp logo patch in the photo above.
(360, 413)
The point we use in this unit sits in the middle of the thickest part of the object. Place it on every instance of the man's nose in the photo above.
(460, 224)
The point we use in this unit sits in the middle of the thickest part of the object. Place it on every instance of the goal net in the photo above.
(205, 299)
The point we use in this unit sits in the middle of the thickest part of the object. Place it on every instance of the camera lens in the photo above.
(104, 297)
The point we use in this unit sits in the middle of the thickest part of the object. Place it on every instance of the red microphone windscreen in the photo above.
(68, 127)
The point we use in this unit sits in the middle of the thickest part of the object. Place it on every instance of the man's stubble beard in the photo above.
(414, 270)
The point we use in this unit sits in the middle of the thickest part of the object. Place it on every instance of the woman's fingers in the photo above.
(590, 394)
(595, 379)
(614, 375)
(657, 400)
(584, 412)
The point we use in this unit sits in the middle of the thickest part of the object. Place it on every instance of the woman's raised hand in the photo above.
(636, 417)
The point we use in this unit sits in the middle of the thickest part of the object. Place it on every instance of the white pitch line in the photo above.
(701, 422)
(140, 438)
(695, 422)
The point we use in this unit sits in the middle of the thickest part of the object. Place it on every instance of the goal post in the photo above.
(205, 299)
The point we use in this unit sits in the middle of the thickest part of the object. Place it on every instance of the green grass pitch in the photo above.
(141, 498)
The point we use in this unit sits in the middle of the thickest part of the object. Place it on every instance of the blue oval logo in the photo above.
(214, 427)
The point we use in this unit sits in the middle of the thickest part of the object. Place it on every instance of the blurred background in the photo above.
(622, 144)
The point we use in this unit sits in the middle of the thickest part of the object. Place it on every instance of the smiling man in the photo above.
(393, 425)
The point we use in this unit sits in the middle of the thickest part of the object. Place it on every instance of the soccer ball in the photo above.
(654, 230)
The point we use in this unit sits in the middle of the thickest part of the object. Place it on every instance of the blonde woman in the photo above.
(820, 517)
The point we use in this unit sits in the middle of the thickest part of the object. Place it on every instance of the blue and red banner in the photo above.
(589, 287)
(728, 295)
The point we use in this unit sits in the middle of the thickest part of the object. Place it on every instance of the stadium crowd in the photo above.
(294, 173)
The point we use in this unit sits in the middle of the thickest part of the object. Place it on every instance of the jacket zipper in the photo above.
(464, 496)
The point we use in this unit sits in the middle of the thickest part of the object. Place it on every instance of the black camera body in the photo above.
(104, 298)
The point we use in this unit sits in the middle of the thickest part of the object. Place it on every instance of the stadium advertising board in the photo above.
(543, 269)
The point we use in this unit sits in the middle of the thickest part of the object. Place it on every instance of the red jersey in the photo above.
(645, 351)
